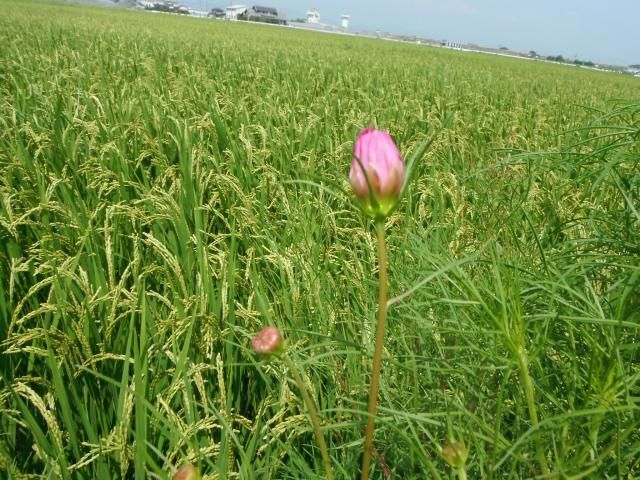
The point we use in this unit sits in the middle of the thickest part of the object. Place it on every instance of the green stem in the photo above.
(523, 363)
(377, 354)
(462, 473)
(313, 414)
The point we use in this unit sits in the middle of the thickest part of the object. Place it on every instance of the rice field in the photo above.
(171, 185)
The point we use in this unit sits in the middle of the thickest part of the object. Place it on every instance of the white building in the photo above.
(313, 16)
(345, 21)
(233, 11)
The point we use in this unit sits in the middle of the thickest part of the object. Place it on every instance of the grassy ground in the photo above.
(170, 185)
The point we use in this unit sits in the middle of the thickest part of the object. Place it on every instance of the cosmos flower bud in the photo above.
(376, 159)
(267, 342)
(455, 454)
(187, 472)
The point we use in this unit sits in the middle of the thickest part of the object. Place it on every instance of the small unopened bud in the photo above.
(187, 472)
(455, 454)
(268, 342)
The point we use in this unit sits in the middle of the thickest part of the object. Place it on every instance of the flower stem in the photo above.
(523, 364)
(462, 473)
(377, 354)
(313, 414)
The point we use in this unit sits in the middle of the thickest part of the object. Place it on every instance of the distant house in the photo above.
(259, 13)
(163, 6)
(234, 11)
(216, 13)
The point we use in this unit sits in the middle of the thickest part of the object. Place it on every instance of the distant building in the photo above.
(216, 13)
(345, 21)
(259, 13)
(313, 16)
(256, 13)
(163, 6)
(232, 12)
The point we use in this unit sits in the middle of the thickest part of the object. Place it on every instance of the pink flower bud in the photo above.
(268, 341)
(187, 472)
(384, 168)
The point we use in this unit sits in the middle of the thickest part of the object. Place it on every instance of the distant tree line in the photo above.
(587, 63)
(561, 59)
(557, 58)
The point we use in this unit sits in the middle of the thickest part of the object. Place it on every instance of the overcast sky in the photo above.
(604, 31)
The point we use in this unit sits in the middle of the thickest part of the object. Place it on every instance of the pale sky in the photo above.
(603, 31)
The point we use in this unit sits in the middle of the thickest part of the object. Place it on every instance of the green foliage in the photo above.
(585, 63)
(159, 203)
(557, 58)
